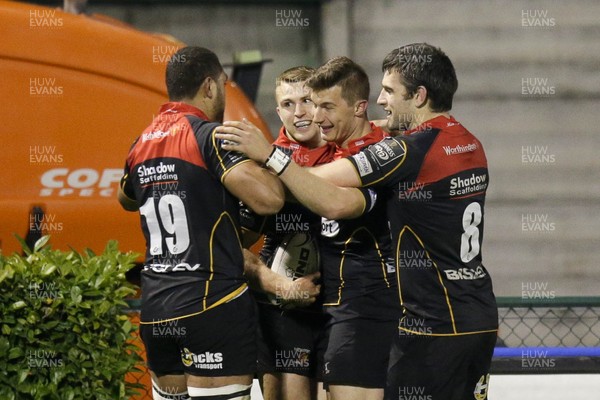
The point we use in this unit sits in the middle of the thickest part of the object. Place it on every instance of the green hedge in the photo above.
(64, 334)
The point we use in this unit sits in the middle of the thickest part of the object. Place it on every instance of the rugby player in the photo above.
(437, 176)
(358, 275)
(291, 341)
(198, 320)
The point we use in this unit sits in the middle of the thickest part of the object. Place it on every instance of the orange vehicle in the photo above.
(77, 91)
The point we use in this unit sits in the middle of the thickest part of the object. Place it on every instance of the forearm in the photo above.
(321, 197)
(256, 187)
(265, 194)
(330, 173)
(260, 277)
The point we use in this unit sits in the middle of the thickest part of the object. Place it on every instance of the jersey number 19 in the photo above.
(171, 215)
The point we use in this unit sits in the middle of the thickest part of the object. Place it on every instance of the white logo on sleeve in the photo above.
(363, 164)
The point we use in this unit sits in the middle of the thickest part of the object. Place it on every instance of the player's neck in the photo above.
(425, 116)
(362, 128)
(203, 105)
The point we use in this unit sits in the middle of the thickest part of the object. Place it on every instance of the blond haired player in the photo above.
(291, 341)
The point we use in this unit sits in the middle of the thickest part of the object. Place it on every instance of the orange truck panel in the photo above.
(77, 92)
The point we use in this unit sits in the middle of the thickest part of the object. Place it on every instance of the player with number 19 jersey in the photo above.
(437, 177)
(194, 259)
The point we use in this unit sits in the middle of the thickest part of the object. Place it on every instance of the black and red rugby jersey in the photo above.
(358, 270)
(436, 178)
(293, 217)
(190, 221)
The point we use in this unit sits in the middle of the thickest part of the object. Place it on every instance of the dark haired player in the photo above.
(358, 274)
(186, 188)
(437, 175)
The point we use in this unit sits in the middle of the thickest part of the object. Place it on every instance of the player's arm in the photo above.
(256, 187)
(322, 197)
(316, 193)
(339, 172)
(302, 291)
(125, 195)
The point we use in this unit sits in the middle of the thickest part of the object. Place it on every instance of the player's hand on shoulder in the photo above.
(244, 137)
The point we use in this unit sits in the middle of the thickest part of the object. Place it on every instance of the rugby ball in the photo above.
(296, 256)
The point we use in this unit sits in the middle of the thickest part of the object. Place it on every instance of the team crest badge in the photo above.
(186, 357)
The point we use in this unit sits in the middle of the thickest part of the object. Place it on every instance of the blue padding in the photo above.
(545, 352)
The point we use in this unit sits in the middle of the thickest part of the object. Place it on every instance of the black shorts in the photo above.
(440, 367)
(291, 341)
(358, 352)
(218, 342)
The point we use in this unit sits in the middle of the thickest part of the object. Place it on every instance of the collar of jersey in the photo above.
(440, 122)
(180, 107)
(354, 146)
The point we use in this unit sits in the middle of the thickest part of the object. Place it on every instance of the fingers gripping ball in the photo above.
(296, 256)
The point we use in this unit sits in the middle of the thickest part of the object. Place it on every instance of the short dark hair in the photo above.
(421, 64)
(345, 73)
(294, 75)
(188, 68)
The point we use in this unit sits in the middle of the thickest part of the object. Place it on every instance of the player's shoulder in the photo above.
(200, 125)
(389, 147)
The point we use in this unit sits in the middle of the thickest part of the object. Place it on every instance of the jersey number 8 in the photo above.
(469, 241)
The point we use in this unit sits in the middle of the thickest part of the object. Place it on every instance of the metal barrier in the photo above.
(560, 321)
(536, 336)
(548, 336)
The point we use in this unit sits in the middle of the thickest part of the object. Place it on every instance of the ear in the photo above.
(209, 87)
(278, 113)
(360, 108)
(421, 97)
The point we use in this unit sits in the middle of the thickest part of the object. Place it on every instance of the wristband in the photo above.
(278, 161)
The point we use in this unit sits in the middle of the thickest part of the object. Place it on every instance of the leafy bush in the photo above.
(64, 334)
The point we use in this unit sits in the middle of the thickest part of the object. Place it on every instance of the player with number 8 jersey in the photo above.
(436, 216)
